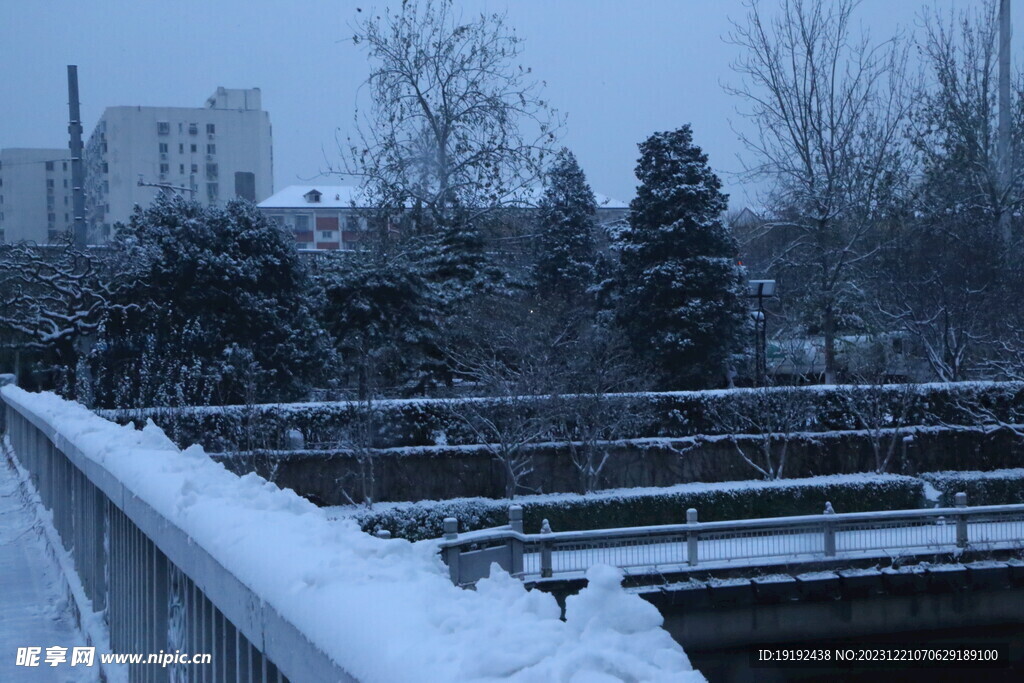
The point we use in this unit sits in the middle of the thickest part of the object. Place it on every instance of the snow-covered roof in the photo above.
(331, 196)
(346, 196)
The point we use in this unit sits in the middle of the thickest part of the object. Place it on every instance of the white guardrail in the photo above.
(157, 590)
(734, 543)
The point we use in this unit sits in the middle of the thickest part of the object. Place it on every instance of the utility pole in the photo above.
(1005, 143)
(77, 169)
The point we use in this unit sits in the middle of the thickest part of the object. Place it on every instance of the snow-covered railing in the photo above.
(733, 543)
(174, 552)
(158, 591)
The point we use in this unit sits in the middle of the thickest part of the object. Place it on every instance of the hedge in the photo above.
(642, 507)
(998, 487)
(428, 422)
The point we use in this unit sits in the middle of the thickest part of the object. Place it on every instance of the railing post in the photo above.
(829, 531)
(451, 553)
(515, 545)
(692, 536)
(545, 552)
(961, 521)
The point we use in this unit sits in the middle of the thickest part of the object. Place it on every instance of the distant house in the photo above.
(331, 216)
(321, 217)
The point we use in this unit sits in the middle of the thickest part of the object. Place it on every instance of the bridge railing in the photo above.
(156, 589)
(729, 543)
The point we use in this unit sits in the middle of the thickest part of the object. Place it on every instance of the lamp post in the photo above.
(760, 289)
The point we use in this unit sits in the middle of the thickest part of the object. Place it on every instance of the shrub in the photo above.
(643, 507)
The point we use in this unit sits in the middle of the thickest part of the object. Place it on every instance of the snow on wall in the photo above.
(383, 610)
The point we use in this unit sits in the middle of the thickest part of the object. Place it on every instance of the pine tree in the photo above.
(567, 252)
(681, 289)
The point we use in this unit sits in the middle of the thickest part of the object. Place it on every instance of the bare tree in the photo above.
(770, 417)
(827, 108)
(454, 123)
(948, 277)
(882, 412)
(591, 409)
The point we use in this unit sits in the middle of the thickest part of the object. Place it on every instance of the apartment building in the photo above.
(212, 154)
(35, 195)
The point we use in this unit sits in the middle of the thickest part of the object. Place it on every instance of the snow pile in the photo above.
(383, 610)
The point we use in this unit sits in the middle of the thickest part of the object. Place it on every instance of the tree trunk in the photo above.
(830, 345)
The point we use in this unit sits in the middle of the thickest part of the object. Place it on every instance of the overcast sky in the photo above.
(620, 69)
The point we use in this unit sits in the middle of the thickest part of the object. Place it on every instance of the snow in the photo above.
(402, 618)
(34, 610)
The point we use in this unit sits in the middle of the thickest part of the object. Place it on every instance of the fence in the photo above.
(730, 543)
(157, 590)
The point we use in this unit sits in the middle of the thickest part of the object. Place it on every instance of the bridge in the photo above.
(730, 545)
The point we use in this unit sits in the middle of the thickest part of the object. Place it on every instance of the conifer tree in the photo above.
(567, 252)
(681, 289)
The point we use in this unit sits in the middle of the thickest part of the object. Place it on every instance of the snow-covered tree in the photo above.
(680, 302)
(382, 316)
(567, 253)
(52, 304)
(221, 312)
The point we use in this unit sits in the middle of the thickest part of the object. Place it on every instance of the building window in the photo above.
(181, 169)
(211, 171)
(106, 169)
(212, 191)
(49, 165)
(193, 129)
(195, 168)
(211, 149)
(193, 149)
(165, 169)
(163, 148)
(181, 148)
(64, 165)
(49, 183)
(65, 182)
(301, 223)
(326, 234)
(210, 129)
(181, 128)
(163, 128)
(51, 218)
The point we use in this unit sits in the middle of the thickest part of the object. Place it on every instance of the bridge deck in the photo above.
(33, 609)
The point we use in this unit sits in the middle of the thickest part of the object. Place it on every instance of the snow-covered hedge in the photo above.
(650, 506)
(385, 611)
(427, 422)
(997, 487)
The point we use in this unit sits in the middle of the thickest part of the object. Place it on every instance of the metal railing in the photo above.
(734, 543)
(157, 590)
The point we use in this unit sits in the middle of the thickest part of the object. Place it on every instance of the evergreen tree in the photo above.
(221, 314)
(382, 315)
(681, 290)
(566, 263)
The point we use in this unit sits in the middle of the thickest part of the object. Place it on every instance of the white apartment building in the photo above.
(212, 153)
(35, 195)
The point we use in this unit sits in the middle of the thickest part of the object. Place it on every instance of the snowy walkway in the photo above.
(33, 610)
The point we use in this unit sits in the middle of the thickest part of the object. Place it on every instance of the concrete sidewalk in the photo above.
(33, 610)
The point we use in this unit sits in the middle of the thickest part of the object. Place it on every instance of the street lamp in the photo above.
(760, 289)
